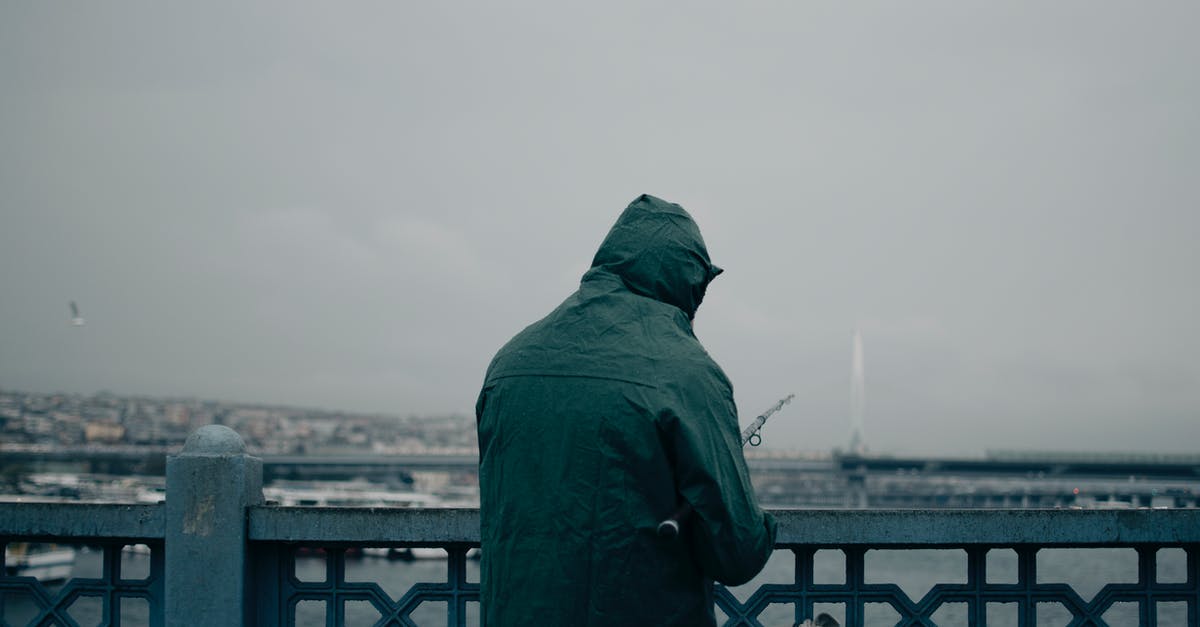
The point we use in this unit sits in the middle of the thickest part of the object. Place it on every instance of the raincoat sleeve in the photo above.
(729, 533)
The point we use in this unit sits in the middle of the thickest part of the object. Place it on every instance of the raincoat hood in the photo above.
(655, 248)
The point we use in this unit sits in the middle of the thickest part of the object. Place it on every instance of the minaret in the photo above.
(858, 396)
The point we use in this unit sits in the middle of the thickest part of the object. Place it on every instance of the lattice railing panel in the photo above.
(104, 599)
(856, 600)
(855, 596)
(335, 594)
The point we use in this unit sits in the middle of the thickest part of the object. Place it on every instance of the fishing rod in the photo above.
(669, 528)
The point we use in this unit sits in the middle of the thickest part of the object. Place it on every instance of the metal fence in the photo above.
(218, 555)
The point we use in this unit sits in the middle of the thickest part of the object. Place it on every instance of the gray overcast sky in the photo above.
(354, 205)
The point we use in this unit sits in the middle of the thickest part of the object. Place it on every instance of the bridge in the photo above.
(221, 556)
(151, 460)
(1015, 463)
(1030, 465)
(1003, 479)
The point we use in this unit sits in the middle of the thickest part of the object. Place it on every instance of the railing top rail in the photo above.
(816, 527)
(992, 527)
(82, 520)
(382, 525)
(894, 527)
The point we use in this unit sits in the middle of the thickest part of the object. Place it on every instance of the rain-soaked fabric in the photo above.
(595, 423)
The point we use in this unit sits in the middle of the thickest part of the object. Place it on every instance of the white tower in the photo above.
(858, 396)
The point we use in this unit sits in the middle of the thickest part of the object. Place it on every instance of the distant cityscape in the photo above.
(37, 420)
(108, 447)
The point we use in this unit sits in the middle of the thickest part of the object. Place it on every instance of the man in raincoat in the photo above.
(599, 421)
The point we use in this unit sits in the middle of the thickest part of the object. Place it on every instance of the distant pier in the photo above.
(1002, 479)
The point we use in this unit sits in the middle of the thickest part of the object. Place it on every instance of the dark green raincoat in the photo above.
(595, 423)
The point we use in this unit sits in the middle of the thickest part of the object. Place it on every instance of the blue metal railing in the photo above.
(277, 534)
(106, 528)
(220, 556)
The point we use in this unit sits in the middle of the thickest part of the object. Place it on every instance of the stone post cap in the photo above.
(214, 440)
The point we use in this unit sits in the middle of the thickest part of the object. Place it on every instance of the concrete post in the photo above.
(209, 486)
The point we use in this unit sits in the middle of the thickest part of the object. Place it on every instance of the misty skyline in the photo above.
(354, 206)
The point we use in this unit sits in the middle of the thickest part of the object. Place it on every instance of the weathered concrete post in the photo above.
(209, 486)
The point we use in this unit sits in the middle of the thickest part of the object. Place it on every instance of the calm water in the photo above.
(1087, 570)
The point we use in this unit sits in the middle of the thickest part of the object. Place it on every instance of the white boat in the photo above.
(412, 553)
(45, 562)
(415, 553)
(427, 553)
(346, 496)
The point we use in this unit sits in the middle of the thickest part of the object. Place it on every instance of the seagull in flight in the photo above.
(76, 319)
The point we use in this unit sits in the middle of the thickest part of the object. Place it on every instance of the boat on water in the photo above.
(45, 562)
(346, 495)
(413, 553)
(407, 554)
